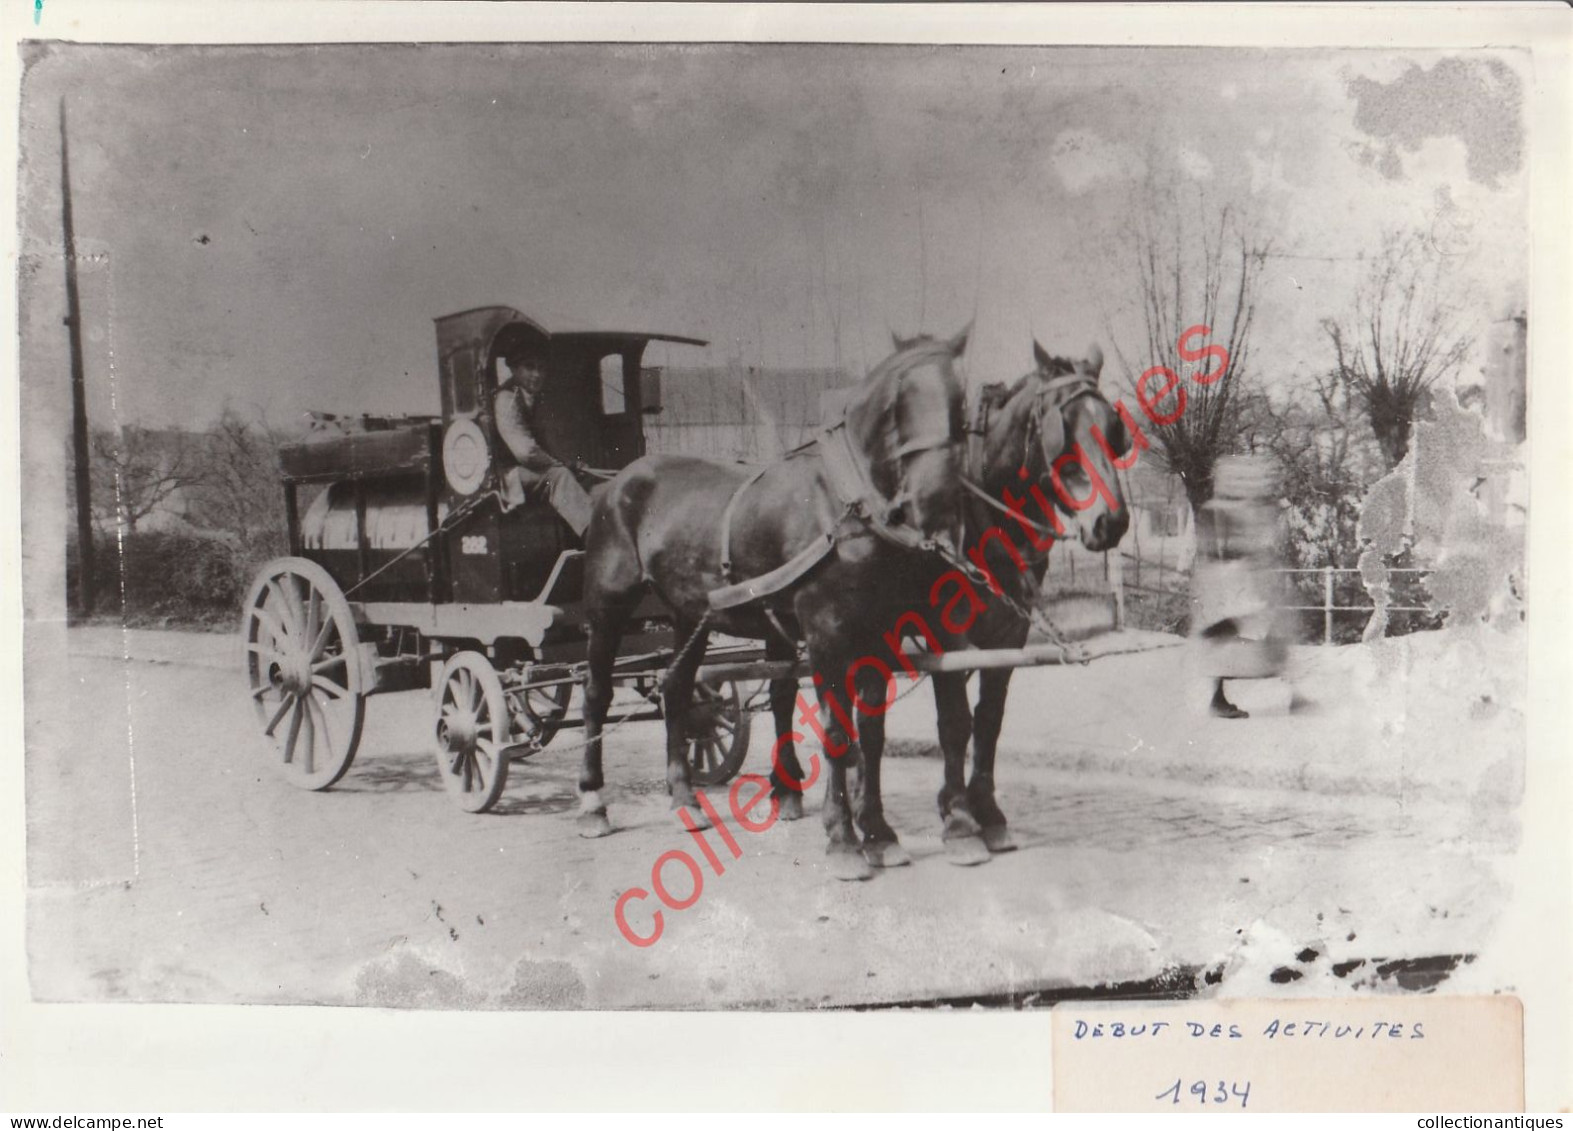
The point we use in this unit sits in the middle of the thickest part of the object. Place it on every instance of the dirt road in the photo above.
(167, 863)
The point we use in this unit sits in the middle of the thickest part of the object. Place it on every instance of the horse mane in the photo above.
(881, 383)
(1057, 367)
(913, 353)
(997, 393)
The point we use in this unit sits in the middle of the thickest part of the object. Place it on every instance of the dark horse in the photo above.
(1054, 422)
(837, 534)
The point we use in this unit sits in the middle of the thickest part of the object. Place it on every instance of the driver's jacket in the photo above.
(513, 426)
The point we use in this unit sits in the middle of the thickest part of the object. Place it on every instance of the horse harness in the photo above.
(1056, 394)
(856, 494)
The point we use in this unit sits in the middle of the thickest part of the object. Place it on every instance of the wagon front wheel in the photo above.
(472, 730)
(305, 671)
(718, 732)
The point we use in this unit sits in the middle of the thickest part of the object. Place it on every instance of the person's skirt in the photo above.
(1237, 622)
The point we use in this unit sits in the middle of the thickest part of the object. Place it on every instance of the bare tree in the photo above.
(1400, 341)
(1327, 460)
(240, 493)
(135, 471)
(1197, 263)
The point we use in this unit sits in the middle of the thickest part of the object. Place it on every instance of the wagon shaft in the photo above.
(967, 660)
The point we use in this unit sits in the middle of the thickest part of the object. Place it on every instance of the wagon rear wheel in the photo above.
(718, 732)
(305, 671)
(472, 730)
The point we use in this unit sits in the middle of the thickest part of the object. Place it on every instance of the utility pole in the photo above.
(84, 502)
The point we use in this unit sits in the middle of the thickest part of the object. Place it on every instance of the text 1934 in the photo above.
(1221, 1092)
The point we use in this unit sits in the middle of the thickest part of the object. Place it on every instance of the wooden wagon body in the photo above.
(406, 570)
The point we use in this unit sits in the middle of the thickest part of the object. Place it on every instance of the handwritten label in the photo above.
(1350, 1054)
(1228, 1092)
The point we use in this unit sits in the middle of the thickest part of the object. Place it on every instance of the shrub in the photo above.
(163, 577)
(1158, 610)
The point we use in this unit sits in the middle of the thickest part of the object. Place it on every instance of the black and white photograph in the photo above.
(547, 524)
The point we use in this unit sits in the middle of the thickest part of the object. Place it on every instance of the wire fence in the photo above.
(1326, 583)
(1331, 602)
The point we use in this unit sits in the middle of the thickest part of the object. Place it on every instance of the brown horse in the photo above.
(1053, 423)
(838, 534)
(1051, 437)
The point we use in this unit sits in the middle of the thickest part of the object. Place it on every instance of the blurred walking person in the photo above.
(1236, 601)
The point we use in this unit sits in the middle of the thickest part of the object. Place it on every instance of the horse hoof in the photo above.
(849, 865)
(594, 825)
(959, 825)
(997, 838)
(886, 854)
(695, 813)
(791, 807)
(966, 851)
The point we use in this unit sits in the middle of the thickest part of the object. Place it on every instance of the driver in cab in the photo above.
(539, 474)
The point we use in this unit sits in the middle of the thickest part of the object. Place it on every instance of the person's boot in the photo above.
(1225, 709)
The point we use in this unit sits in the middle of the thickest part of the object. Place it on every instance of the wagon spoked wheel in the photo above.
(472, 732)
(538, 712)
(305, 671)
(718, 732)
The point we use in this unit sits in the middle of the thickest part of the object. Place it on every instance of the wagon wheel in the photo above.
(718, 730)
(538, 714)
(305, 671)
(472, 732)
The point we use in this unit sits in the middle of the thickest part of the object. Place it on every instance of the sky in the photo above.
(277, 226)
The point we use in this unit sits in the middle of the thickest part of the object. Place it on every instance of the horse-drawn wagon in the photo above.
(412, 565)
(408, 569)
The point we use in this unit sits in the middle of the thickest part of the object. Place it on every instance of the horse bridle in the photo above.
(1056, 394)
(935, 432)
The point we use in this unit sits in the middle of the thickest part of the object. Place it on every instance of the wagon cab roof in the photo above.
(483, 323)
